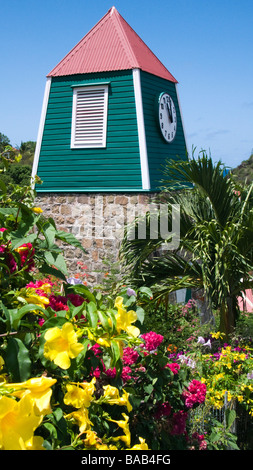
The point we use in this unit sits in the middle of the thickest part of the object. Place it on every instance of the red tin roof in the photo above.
(110, 45)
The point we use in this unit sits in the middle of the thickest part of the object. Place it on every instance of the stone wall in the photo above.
(97, 220)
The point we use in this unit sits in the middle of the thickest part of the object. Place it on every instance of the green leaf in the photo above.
(7, 315)
(17, 314)
(104, 320)
(115, 351)
(146, 291)
(51, 429)
(49, 233)
(148, 389)
(17, 241)
(230, 417)
(92, 314)
(83, 291)
(46, 269)
(140, 314)
(17, 360)
(82, 354)
(3, 187)
(69, 238)
(54, 321)
(75, 311)
(56, 260)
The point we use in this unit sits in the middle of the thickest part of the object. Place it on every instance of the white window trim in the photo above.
(102, 143)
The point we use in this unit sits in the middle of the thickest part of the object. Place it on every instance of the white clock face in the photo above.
(167, 117)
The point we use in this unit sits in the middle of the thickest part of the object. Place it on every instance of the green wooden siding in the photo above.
(116, 167)
(159, 150)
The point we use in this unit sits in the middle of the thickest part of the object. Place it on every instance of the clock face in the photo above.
(167, 117)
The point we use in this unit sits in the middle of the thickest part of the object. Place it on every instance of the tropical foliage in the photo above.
(76, 371)
(216, 232)
(244, 172)
(86, 369)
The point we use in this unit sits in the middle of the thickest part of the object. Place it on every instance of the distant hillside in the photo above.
(244, 171)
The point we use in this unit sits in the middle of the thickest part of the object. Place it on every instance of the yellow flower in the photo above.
(112, 393)
(217, 335)
(141, 446)
(39, 390)
(46, 287)
(125, 426)
(105, 447)
(37, 210)
(91, 438)
(18, 421)
(82, 418)
(61, 345)
(32, 298)
(104, 341)
(81, 394)
(35, 443)
(125, 319)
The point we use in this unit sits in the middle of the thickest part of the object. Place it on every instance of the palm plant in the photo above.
(216, 238)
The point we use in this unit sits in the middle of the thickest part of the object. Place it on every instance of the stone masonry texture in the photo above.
(97, 220)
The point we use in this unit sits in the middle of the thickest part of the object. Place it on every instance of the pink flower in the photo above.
(58, 302)
(163, 410)
(195, 394)
(26, 252)
(201, 440)
(111, 373)
(174, 367)
(179, 422)
(96, 348)
(9, 258)
(125, 374)
(96, 372)
(39, 283)
(75, 299)
(152, 340)
(130, 356)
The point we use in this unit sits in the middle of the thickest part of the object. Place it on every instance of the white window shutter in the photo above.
(89, 117)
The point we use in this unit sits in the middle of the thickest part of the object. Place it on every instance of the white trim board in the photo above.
(141, 130)
(41, 129)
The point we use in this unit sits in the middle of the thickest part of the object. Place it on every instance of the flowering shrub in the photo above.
(78, 368)
(228, 371)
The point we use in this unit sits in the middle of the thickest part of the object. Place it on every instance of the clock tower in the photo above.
(110, 119)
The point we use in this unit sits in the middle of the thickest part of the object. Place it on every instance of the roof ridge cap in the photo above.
(121, 32)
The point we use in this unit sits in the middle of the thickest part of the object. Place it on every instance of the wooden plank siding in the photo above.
(115, 167)
(159, 150)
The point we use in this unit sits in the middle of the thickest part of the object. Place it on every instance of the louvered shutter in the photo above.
(89, 118)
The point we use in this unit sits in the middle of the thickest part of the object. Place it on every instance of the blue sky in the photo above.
(206, 44)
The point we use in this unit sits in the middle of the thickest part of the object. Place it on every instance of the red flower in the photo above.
(130, 356)
(152, 340)
(173, 367)
(179, 422)
(195, 394)
(26, 253)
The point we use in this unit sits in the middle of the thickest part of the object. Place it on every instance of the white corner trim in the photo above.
(141, 130)
(41, 129)
(180, 109)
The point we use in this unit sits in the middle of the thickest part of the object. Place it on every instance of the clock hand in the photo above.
(170, 112)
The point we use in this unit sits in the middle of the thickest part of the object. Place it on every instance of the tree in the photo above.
(27, 150)
(216, 238)
(4, 141)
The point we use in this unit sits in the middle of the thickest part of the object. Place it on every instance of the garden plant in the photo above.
(83, 369)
